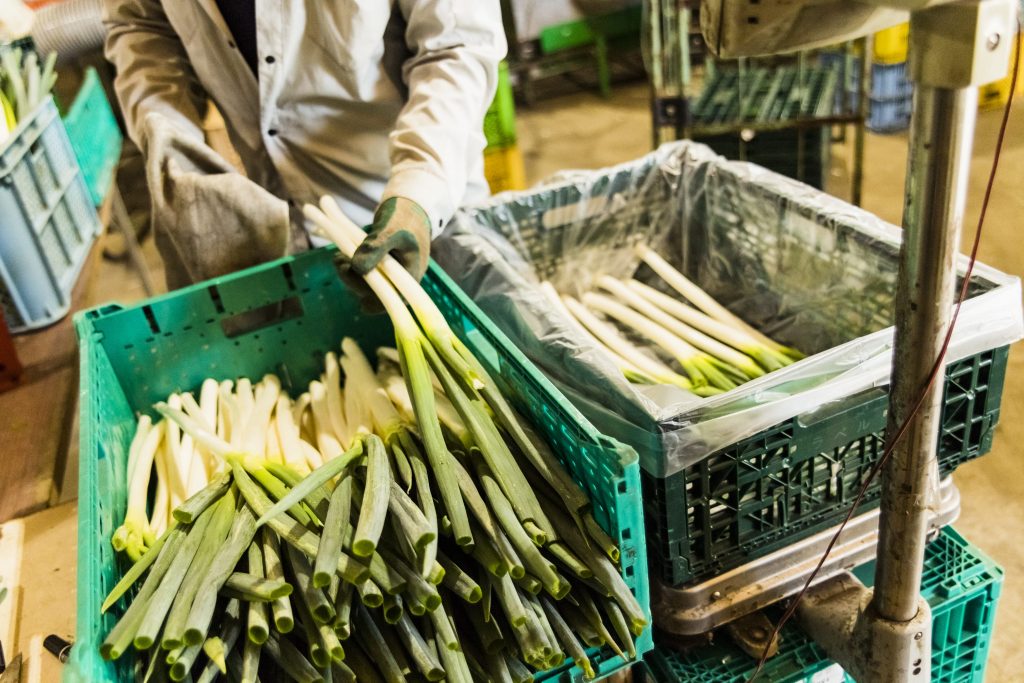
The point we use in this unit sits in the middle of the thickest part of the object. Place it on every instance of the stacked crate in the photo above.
(503, 162)
(890, 45)
(961, 584)
(739, 497)
(47, 221)
(765, 96)
(891, 95)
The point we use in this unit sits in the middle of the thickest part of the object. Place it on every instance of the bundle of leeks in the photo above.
(24, 84)
(383, 526)
(716, 350)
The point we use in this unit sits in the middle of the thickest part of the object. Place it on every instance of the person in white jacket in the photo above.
(378, 103)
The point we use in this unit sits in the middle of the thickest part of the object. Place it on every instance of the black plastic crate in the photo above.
(802, 154)
(801, 476)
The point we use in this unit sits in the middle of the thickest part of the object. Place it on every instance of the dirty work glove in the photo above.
(400, 228)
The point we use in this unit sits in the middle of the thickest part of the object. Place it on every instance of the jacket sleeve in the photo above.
(153, 70)
(456, 46)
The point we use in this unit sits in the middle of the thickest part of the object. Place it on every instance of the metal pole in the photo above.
(942, 130)
(857, 177)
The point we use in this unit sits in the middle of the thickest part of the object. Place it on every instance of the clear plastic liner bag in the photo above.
(805, 268)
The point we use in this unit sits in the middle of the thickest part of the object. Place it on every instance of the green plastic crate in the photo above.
(799, 477)
(961, 584)
(765, 95)
(779, 151)
(95, 136)
(758, 95)
(624, 23)
(737, 501)
(500, 119)
(132, 357)
(799, 660)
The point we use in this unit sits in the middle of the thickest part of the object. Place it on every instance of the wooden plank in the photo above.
(11, 542)
(47, 588)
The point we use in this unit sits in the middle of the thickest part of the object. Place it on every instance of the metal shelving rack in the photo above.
(762, 91)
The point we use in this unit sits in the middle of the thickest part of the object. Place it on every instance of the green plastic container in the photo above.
(760, 95)
(961, 584)
(624, 23)
(95, 136)
(132, 357)
(799, 153)
(500, 119)
(800, 477)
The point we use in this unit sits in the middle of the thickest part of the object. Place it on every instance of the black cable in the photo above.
(932, 376)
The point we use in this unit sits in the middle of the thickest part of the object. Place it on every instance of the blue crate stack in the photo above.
(891, 95)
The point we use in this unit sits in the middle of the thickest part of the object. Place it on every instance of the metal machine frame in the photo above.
(884, 634)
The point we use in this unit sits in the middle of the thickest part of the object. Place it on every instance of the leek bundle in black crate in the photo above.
(391, 523)
(741, 473)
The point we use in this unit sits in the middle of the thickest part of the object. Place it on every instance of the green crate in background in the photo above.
(500, 119)
(780, 151)
(758, 95)
(961, 584)
(624, 23)
(767, 94)
(95, 136)
(132, 357)
(799, 477)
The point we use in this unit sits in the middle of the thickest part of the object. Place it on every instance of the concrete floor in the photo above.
(584, 131)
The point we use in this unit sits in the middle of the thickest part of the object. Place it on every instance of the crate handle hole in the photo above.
(154, 327)
(262, 317)
(218, 304)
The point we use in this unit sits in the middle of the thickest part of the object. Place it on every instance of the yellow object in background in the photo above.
(503, 168)
(994, 95)
(890, 45)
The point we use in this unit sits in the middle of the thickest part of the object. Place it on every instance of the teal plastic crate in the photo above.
(961, 584)
(95, 136)
(47, 221)
(132, 357)
(799, 660)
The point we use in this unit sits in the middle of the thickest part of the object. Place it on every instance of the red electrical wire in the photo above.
(932, 376)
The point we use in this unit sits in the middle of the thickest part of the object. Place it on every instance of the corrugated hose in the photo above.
(72, 29)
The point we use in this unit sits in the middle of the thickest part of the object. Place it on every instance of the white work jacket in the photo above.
(359, 99)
